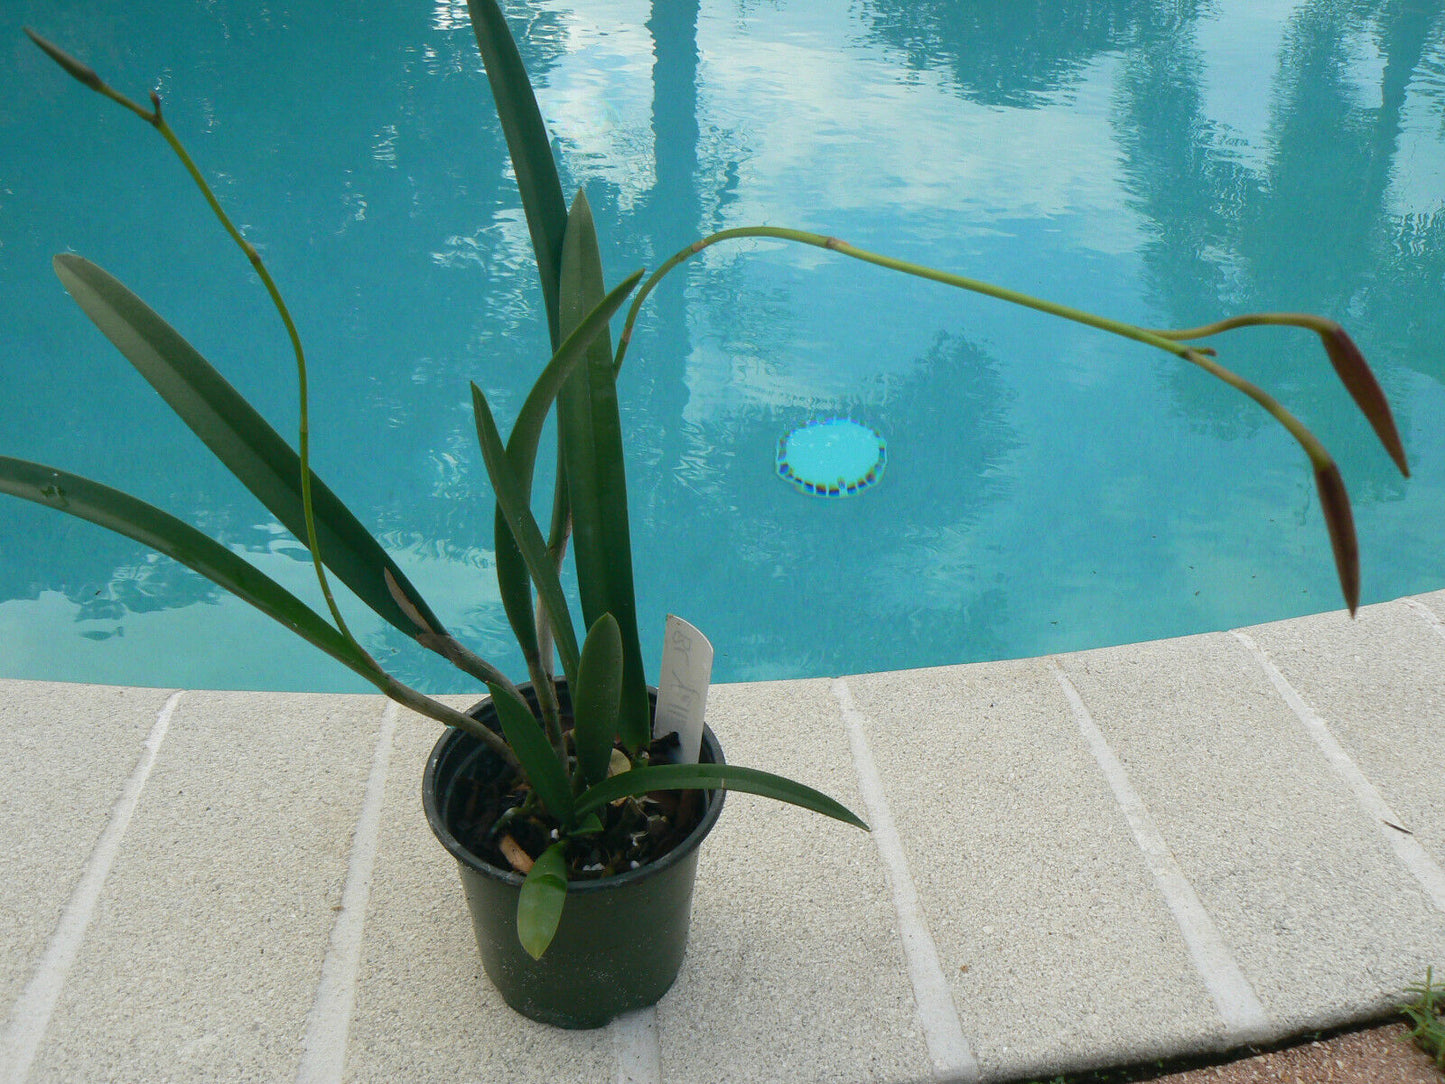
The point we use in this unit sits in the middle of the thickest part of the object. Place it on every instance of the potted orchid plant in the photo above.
(574, 815)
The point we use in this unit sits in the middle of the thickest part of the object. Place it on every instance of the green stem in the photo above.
(1163, 340)
(363, 664)
(435, 709)
(464, 659)
(303, 397)
(1319, 457)
(153, 117)
(1334, 502)
(1317, 324)
(557, 534)
(833, 244)
(87, 75)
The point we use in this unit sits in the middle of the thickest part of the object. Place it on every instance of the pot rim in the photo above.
(444, 748)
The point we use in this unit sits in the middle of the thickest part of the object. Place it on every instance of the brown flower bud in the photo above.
(80, 71)
(1335, 506)
(1354, 372)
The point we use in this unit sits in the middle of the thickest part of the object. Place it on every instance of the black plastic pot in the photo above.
(622, 938)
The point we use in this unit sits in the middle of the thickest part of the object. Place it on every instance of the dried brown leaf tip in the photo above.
(1335, 505)
(1354, 372)
(521, 861)
(80, 71)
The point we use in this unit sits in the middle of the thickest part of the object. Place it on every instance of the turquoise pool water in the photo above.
(1047, 488)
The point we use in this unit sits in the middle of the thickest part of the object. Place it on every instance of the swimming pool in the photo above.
(1047, 488)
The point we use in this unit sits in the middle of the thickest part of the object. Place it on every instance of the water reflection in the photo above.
(1159, 159)
(892, 573)
(1306, 223)
(1016, 53)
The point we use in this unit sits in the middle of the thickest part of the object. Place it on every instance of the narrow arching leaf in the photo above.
(512, 565)
(245, 442)
(162, 532)
(528, 145)
(520, 529)
(596, 698)
(591, 442)
(527, 432)
(559, 533)
(534, 753)
(535, 170)
(540, 903)
(711, 777)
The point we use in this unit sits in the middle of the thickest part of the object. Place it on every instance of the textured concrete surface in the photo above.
(219, 904)
(1298, 879)
(1028, 874)
(68, 750)
(1084, 860)
(424, 1010)
(792, 921)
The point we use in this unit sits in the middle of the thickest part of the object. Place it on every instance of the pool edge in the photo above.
(1103, 897)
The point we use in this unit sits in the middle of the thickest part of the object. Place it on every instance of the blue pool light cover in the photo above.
(837, 457)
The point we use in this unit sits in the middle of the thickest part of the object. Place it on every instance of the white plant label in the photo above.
(682, 690)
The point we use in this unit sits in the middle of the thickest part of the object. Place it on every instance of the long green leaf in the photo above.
(527, 431)
(528, 145)
(709, 777)
(162, 532)
(519, 529)
(596, 698)
(591, 441)
(534, 753)
(540, 903)
(242, 440)
(522, 446)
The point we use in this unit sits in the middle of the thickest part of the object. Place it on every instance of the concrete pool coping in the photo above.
(1083, 860)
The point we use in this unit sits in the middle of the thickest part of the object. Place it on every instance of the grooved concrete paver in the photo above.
(1387, 708)
(207, 943)
(1302, 885)
(1059, 951)
(1029, 872)
(424, 1010)
(794, 970)
(774, 886)
(68, 750)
